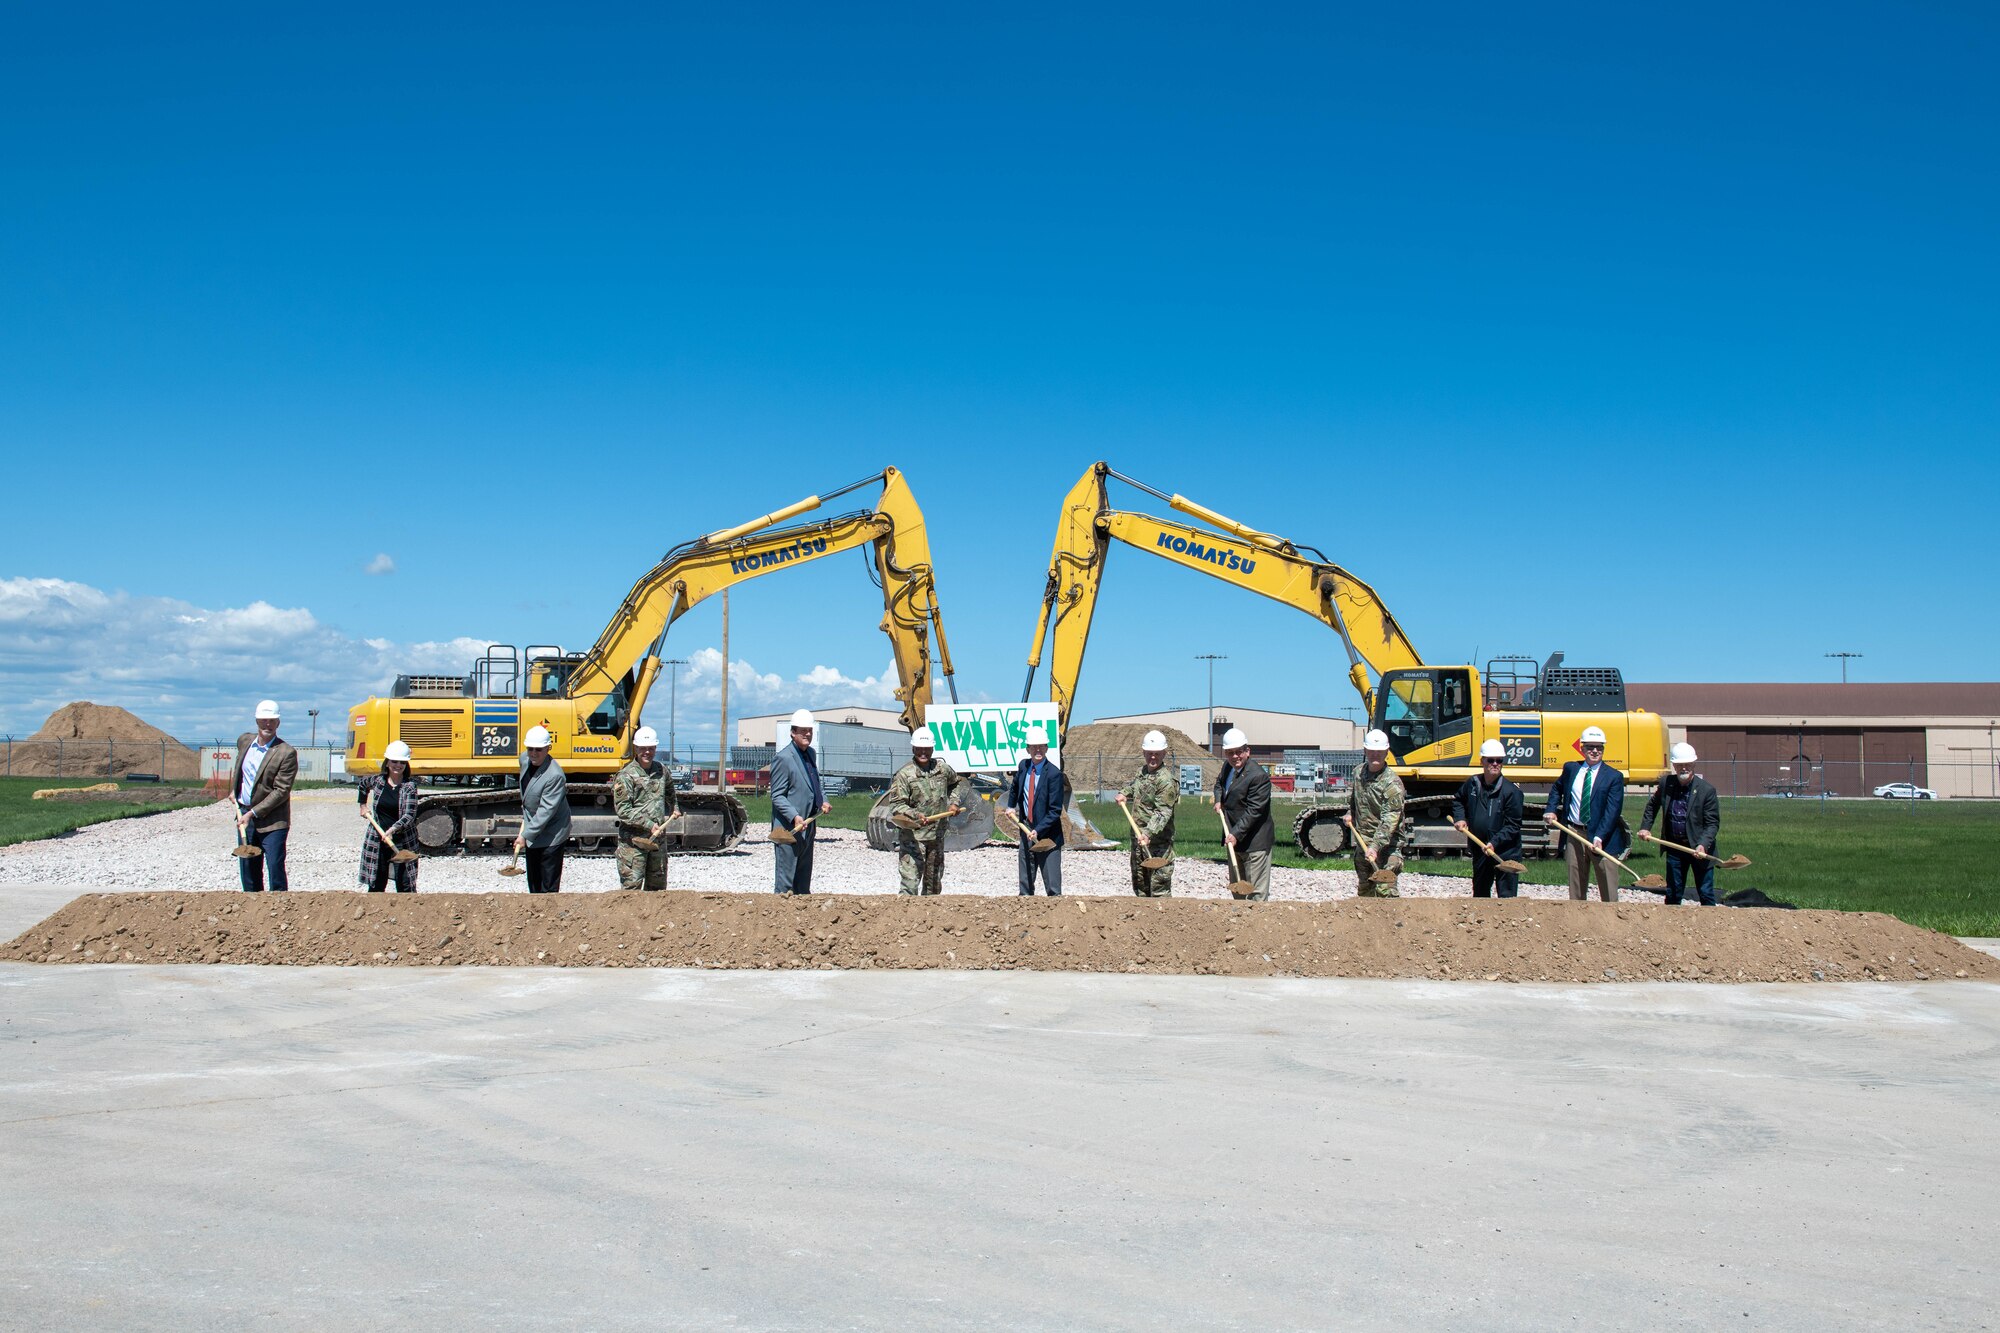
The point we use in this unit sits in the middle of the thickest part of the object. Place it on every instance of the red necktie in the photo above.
(1028, 808)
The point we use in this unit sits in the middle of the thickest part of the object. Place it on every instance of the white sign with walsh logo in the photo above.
(990, 738)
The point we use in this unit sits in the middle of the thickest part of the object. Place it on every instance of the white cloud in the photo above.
(381, 564)
(195, 671)
(191, 670)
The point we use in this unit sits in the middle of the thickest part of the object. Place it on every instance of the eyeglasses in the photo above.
(1492, 761)
(1588, 748)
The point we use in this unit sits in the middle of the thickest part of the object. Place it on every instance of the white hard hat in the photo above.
(920, 739)
(1591, 736)
(1375, 740)
(1234, 739)
(537, 738)
(803, 718)
(644, 737)
(1153, 740)
(1492, 750)
(1682, 753)
(396, 750)
(268, 708)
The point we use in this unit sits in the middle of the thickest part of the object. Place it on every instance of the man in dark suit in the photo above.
(1039, 794)
(266, 768)
(1489, 807)
(1590, 795)
(796, 796)
(1243, 799)
(1694, 818)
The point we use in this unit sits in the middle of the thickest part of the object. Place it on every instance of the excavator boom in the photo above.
(1235, 553)
(592, 701)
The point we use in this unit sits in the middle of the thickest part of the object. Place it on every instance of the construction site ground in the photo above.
(969, 1112)
(510, 1148)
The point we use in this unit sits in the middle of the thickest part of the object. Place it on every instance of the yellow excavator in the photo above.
(464, 732)
(1436, 717)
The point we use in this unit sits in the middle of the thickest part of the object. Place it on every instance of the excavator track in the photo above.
(453, 821)
(1318, 832)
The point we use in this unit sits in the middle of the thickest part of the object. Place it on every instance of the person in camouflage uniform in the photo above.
(1150, 799)
(922, 787)
(1378, 818)
(642, 797)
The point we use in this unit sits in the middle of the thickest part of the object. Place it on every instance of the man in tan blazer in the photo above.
(266, 768)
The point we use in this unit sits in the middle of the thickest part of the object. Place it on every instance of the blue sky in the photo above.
(1665, 338)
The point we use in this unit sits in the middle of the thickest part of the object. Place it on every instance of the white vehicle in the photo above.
(1906, 791)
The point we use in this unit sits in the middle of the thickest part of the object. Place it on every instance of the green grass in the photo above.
(24, 819)
(1931, 863)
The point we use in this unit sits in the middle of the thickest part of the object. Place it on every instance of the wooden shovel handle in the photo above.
(1676, 846)
(1599, 851)
(1137, 836)
(1349, 821)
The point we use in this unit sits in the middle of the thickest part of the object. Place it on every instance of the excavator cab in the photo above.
(1427, 713)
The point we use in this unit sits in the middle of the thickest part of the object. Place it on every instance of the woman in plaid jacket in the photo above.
(391, 796)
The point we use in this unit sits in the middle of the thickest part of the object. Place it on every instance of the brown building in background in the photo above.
(1843, 739)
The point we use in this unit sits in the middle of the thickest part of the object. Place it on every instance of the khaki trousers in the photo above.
(1583, 864)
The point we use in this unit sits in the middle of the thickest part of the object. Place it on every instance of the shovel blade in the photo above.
(512, 872)
(1512, 867)
(1242, 888)
(1651, 882)
(246, 851)
(779, 833)
(1738, 862)
(1153, 863)
(405, 856)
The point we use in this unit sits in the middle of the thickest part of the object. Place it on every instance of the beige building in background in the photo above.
(764, 728)
(1271, 733)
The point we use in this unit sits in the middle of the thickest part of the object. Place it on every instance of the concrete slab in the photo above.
(1986, 946)
(364, 1148)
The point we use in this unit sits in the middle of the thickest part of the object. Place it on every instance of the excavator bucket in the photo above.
(970, 827)
(1082, 835)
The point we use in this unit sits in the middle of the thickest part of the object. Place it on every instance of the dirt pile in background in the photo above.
(98, 740)
(1520, 940)
(1115, 747)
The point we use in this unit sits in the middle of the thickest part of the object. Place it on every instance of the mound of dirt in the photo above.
(1494, 940)
(90, 740)
(1111, 749)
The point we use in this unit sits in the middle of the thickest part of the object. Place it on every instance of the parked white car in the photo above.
(1906, 791)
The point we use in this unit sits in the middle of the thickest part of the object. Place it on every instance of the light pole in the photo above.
(673, 698)
(313, 713)
(1843, 662)
(1208, 741)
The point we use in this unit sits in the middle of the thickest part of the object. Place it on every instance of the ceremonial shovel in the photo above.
(647, 844)
(1639, 881)
(1736, 862)
(1021, 830)
(779, 833)
(403, 854)
(1238, 887)
(1151, 862)
(1379, 876)
(1511, 867)
(245, 850)
(903, 819)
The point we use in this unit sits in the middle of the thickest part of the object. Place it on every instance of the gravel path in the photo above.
(189, 849)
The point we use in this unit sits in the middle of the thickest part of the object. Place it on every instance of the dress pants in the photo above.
(794, 862)
(253, 869)
(1047, 864)
(545, 869)
(1585, 864)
